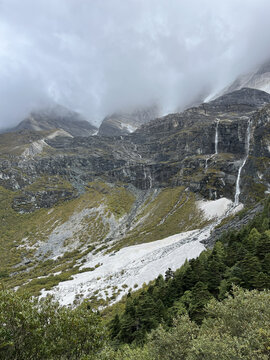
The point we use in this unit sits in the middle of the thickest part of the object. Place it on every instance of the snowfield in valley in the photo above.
(138, 264)
(131, 265)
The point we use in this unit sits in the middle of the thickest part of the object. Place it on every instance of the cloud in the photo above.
(98, 56)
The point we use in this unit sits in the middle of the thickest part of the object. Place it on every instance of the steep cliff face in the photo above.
(202, 148)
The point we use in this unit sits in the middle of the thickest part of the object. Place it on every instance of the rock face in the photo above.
(30, 201)
(240, 100)
(126, 123)
(204, 149)
(234, 224)
(258, 79)
(57, 117)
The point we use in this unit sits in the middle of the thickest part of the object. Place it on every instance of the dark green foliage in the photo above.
(241, 258)
(198, 299)
(32, 329)
(168, 274)
(235, 328)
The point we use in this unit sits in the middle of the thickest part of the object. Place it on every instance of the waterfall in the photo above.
(206, 161)
(216, 138)
(150, 181)
(237, 187)
(148, 177)
(136, 151)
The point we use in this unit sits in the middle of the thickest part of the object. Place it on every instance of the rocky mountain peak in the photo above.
(123, 123)
(258, 79)
(242, 99)
(57, 117)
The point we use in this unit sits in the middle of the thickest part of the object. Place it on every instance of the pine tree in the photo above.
(250, 267)
(200, 296)
(263, 247)
(115, 326)
(169, 274)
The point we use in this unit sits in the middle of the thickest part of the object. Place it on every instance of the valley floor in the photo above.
(114, 274)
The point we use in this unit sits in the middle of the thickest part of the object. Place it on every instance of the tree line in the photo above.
(215, 306)
(240, 257)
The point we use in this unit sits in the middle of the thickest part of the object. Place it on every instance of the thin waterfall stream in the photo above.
(238, 180)
(216, 137)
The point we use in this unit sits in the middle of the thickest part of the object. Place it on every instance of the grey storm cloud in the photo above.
(100, 56)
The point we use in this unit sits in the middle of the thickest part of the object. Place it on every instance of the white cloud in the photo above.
(97, 56)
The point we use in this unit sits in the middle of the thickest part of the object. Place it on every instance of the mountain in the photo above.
(57, 117)
(257, 79)
(94, 216)
(126, 123)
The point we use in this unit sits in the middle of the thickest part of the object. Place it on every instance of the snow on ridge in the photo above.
(215, 208)
(130, 128)
(59, 132)
(36, 147)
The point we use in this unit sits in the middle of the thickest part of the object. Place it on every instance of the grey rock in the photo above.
(162, 153)
(236, 224)
(124, 123)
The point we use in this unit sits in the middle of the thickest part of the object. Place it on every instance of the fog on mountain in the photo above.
(101, 58)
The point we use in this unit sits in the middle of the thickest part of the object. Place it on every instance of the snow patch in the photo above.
(131, 265)
(128, 127)
(59, 132)
(4, 176)
(214, 208)
(36, 147)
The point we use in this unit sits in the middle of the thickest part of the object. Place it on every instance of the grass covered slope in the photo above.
(42, 247)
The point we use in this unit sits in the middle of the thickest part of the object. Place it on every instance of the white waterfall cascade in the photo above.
(136, 151)
(247, 145)
(150, 181)
(149, 177)
(216, 137)
(216, 144)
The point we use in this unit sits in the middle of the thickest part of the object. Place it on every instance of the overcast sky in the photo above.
(99, 56)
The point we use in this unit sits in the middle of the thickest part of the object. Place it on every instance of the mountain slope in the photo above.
(57, 117)
(126, 123)
(258, 79)
(68, 204)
